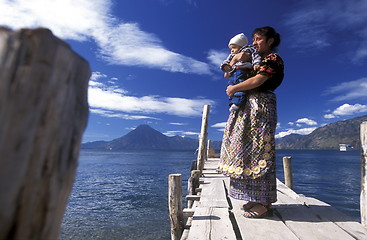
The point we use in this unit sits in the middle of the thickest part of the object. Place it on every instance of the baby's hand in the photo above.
(227, 75)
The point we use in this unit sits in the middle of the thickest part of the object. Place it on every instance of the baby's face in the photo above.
(234, 48)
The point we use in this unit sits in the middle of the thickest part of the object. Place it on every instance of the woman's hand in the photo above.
(242, 56)
(230, 90)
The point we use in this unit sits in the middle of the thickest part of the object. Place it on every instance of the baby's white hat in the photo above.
(239, 39)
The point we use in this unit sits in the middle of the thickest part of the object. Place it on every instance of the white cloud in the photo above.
(178, 124)
(347, 109)
(303, 131)
(329, 116)
(221, 126)
(216, 57)
(83, 20)
(118, 46)
(316, 25)
(356, 89)
(180, 133)
(106, 100)
(306, 121)
(71, 19)
(97, 75)
(111, 114)
(95, 82)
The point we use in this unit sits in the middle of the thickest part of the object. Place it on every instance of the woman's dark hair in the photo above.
(268, 32)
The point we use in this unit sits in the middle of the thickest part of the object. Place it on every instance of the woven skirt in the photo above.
(248, 149)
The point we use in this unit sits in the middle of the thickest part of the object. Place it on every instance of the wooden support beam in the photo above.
(193, 197)
(192, 185)
(175, 205)
(188, 212)
(202, 153)
(288, 177)
(363, 198)
(43, 114)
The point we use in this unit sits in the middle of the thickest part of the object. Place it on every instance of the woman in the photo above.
(248, 147)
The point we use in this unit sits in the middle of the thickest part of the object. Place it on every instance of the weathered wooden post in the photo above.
(175, 205)
(207, 149)
(43, 113)
(288, 177)
(203, 139)
(363, 198)
(192, 184)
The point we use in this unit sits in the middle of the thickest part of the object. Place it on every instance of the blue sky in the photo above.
(157, 62)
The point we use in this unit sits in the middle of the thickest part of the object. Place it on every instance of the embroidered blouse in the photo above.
(273, 67)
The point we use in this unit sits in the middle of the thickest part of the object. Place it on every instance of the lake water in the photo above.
(123, 195)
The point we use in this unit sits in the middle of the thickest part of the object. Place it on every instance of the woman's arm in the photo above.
(248, 84)
(242, 56)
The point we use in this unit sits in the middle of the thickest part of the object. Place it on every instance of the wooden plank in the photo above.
(210, 171)
(193, 197)
(305, 223)
(211, 223)
(296, 216)
(211, 165)
(263, 228)
(188, 212)
(281, 187)
(212, 176)
(355, 229)
(260, 229)
(214, 194)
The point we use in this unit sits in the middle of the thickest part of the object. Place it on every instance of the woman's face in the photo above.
(261, 44)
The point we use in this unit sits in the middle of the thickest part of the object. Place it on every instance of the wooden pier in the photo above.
(212, 214)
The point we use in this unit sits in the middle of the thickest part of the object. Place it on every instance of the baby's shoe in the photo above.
(233, 107)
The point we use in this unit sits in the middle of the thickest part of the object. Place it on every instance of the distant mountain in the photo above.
(329, 136)
(145, 137)
(326, 137)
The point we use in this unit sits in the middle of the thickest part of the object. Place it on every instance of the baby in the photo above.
(240, 71)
